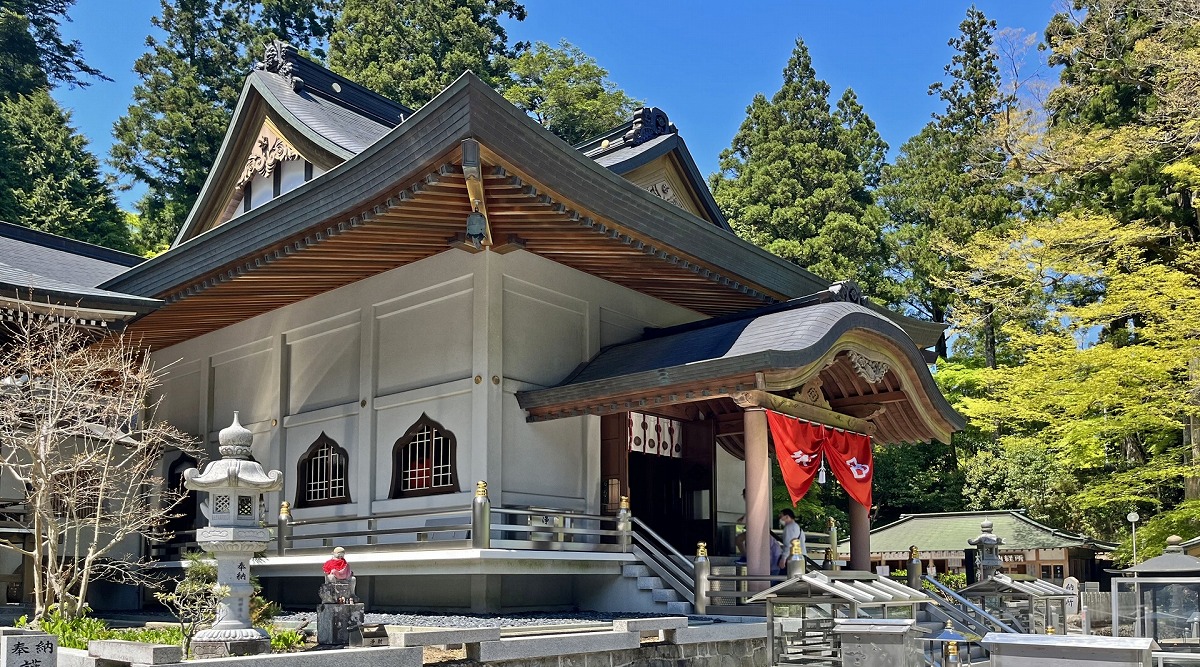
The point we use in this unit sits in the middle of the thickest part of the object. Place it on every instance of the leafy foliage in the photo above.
(77, 631)
(566, 91)
(409, 51)
(798, 180)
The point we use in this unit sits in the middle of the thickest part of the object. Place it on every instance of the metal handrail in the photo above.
(382, 515)
(965, 607)
(662, 545)
(673, 571)
(564, 535)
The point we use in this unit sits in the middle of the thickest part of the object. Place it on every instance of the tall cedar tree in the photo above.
(567, 92)
(799, 177)
(32, 51)
(49, 180)
(190, 83)
(410, 50)
(947, 183)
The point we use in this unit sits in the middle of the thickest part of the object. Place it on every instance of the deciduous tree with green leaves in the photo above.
(798, 180)
(567, 92)
(409, 51)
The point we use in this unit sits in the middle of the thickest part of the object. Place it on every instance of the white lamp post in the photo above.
(1133, 518)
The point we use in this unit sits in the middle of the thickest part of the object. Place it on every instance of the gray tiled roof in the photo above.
(341, 125)
(59, 258)
(60, 268)
(21, 280)
(793, 330)
(626, 153)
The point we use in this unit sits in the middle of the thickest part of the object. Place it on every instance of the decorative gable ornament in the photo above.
(868, 369)
(663, 190)
(648, 123)
(270, 150)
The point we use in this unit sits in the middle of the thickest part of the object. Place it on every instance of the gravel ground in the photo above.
(479, 621)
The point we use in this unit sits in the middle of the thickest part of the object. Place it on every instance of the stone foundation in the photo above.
(737, 653)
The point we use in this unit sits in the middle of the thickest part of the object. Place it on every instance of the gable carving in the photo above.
(270, 150)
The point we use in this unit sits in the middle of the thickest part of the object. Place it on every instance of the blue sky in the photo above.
(701, 62)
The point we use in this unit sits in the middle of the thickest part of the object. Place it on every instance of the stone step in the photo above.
(665, 595)
(681, 607)
(650, 583)
(635, 571)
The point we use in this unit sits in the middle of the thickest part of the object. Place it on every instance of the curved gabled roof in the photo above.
(777, 344)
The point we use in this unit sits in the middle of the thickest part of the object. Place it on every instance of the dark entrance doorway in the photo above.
(668, 469)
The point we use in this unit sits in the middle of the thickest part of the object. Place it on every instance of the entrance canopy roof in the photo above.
(858, 370)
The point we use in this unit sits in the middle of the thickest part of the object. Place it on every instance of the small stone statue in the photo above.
(339, 580)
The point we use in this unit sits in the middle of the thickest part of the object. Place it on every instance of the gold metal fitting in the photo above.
(952, 649)
(702, 549)
(285, 509)
(830, 523)
(1049, 629)
(913, 553)
(481, 489)
(797, 550)
(624, 503)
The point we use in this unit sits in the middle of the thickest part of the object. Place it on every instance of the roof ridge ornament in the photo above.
(848, 291)
(279, 57)
(648, 123)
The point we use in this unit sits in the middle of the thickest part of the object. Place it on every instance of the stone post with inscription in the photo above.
(235, 533)
(28, 648)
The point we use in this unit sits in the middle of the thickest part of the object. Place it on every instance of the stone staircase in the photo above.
(665, 598)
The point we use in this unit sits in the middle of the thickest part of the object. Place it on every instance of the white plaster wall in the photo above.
(454, 336)
(291, 175)
(262, 190)
(731, 479)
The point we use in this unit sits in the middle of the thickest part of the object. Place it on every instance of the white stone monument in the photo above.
(1071, 585)
(234, 483)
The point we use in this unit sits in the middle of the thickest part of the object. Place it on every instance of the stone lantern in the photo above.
(988, 546)
(235, 533)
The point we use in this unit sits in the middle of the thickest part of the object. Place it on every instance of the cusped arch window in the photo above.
(424, 461)
(323, 474)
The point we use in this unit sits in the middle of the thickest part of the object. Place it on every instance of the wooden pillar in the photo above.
(860, 537)
(758, 491)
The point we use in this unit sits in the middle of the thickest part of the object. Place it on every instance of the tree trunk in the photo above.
(989, 335)
(1191, 432)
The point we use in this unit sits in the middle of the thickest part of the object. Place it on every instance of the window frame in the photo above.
(304, 472)
(399, 459)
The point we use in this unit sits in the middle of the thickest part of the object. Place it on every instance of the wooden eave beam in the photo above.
(757, 398)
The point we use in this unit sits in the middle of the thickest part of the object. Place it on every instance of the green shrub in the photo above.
(284, 640)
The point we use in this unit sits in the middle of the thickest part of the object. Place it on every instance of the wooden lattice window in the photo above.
(323, 474)
(424, 461)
